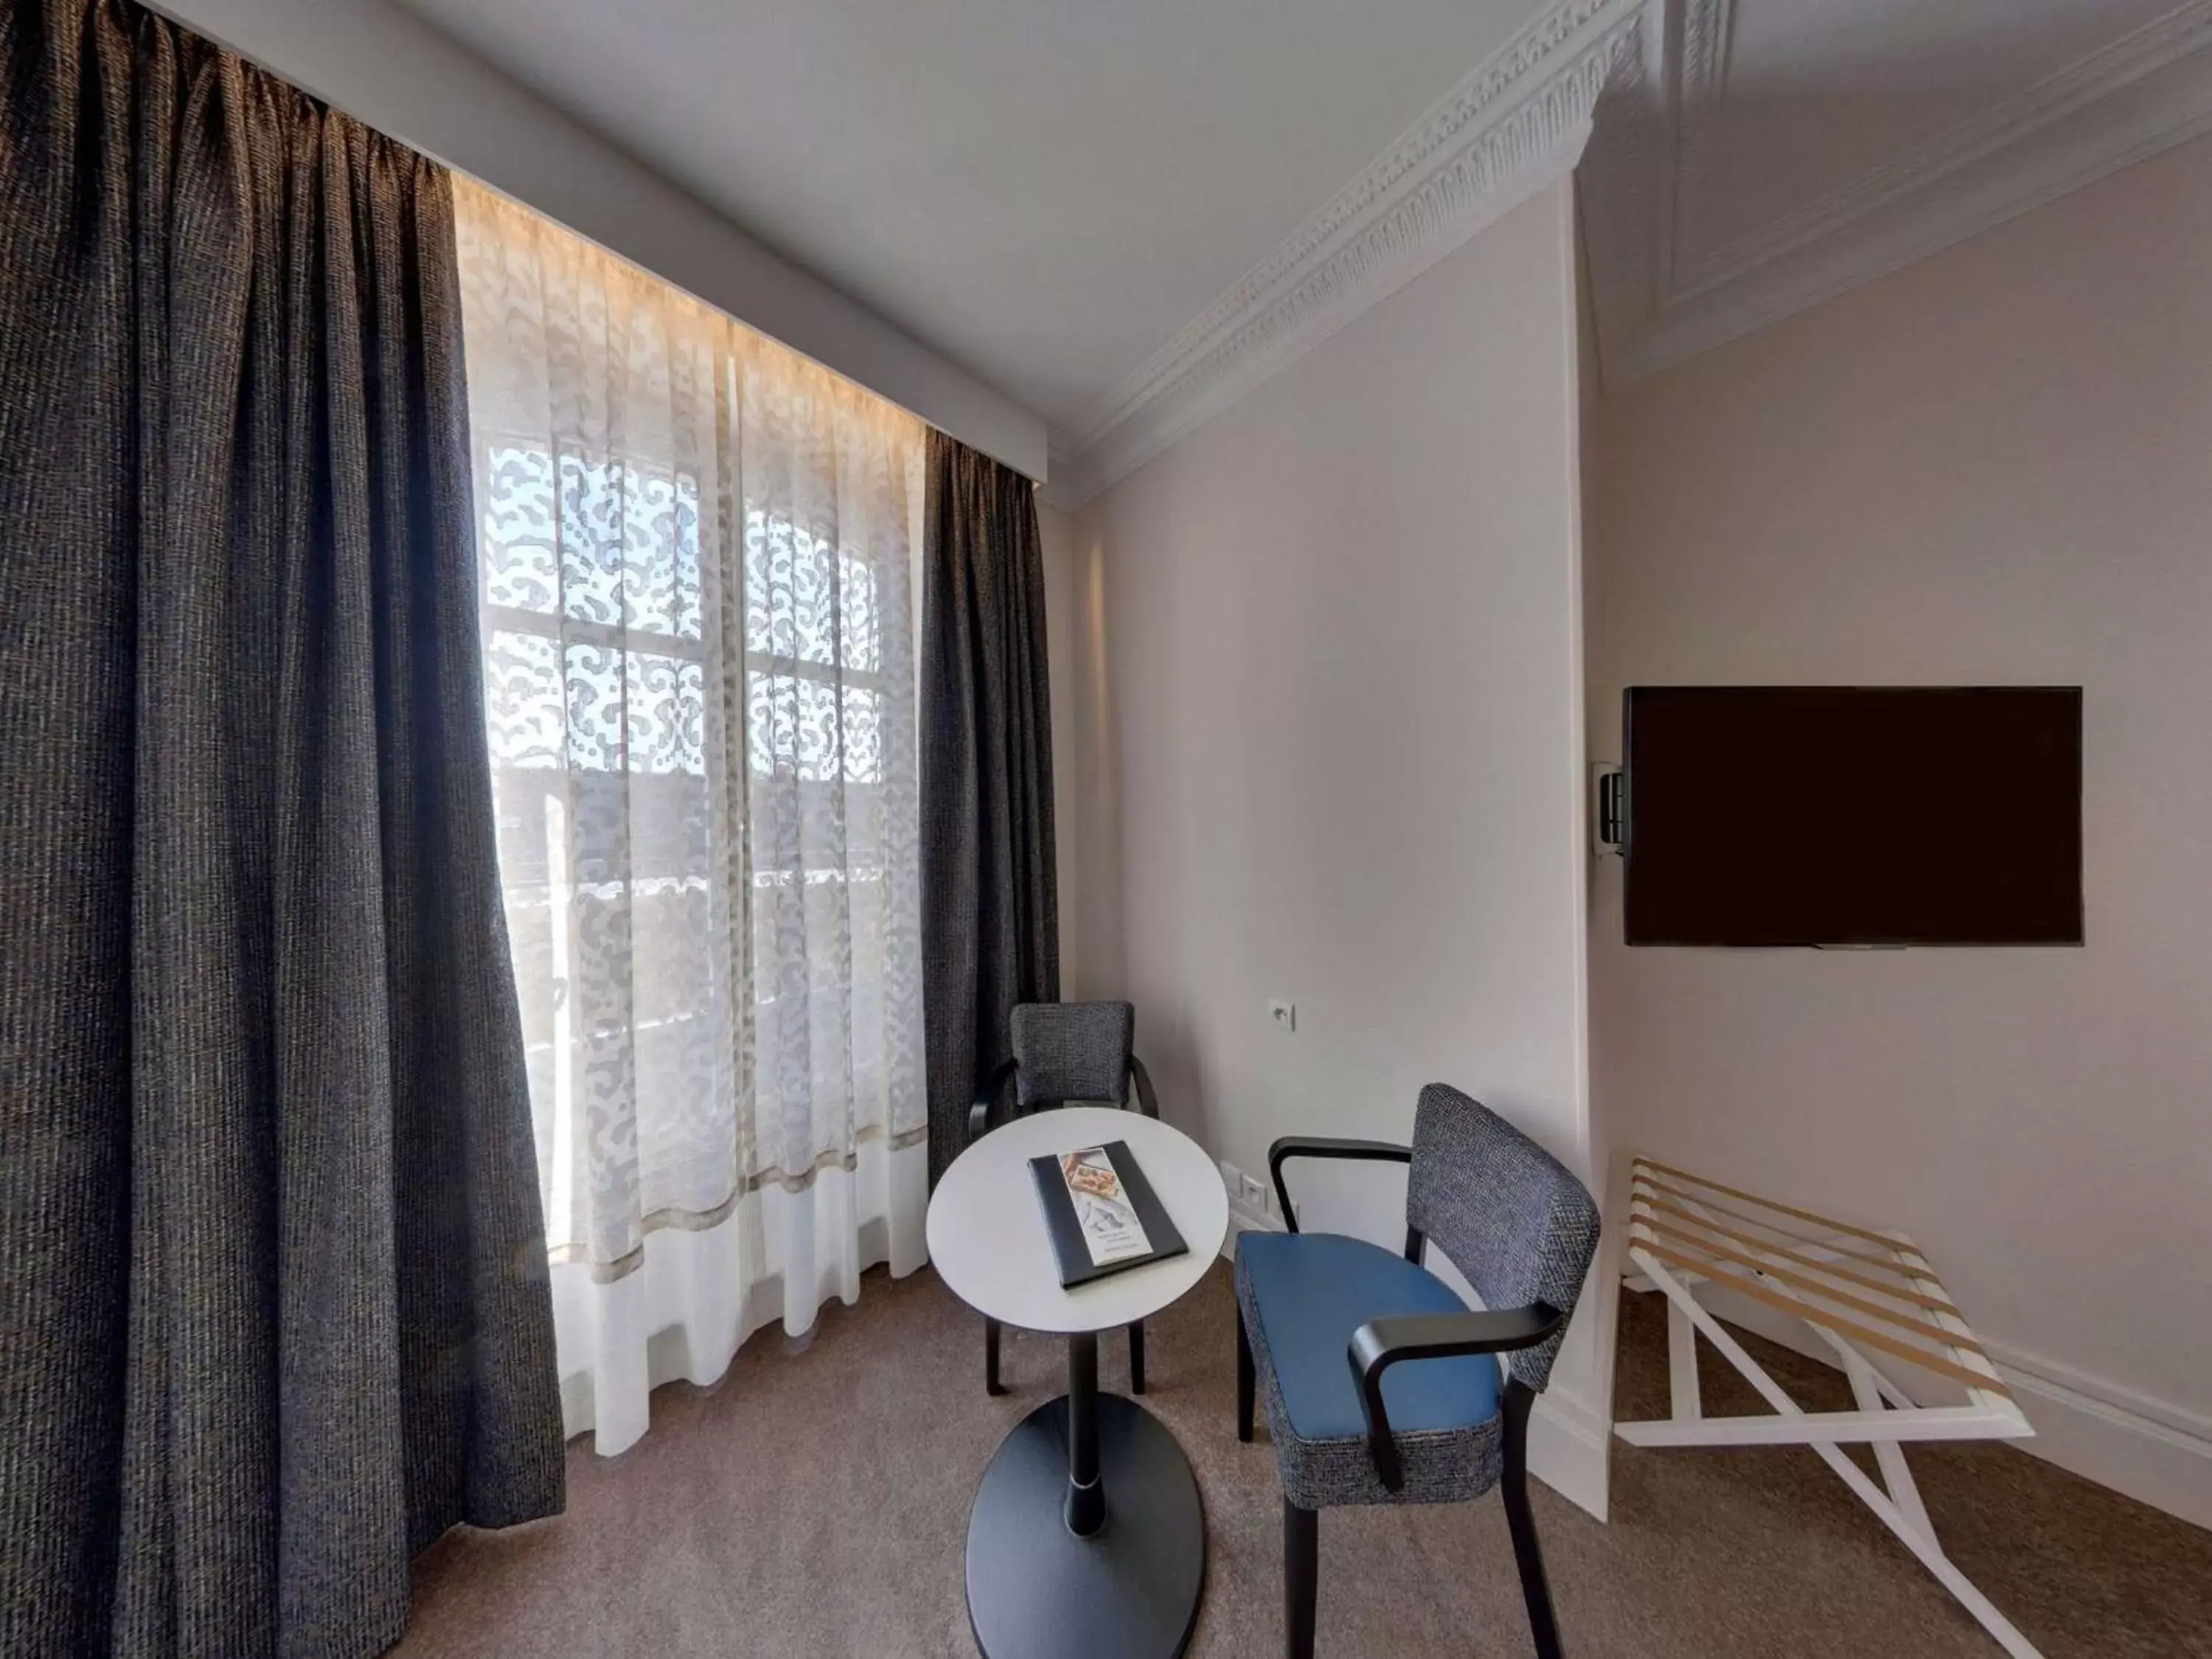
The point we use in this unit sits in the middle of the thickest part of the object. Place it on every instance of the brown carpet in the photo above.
(816, 1503)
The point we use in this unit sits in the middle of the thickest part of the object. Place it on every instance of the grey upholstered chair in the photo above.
(1381, 1386)
(1066, 1051)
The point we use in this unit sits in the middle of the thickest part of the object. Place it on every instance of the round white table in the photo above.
(1086, 1537)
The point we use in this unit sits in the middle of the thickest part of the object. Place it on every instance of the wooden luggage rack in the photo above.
(1862, 1293)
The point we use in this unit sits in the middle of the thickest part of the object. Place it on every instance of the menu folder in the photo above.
(1069, 1245)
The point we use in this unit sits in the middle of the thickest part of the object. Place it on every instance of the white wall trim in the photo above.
(1664, 299)
(1241, 1220)
(2174, 1426)
(1515, 124)
(2149, 1449)
(1569, 1441)
(2115, 67)
(2155, 1452)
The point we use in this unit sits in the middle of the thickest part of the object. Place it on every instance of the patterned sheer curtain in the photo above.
(697, 552)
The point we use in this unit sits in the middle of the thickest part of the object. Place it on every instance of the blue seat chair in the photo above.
(1064, 1051)
(1381, 1386)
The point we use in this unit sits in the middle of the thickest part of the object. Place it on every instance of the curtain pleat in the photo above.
(696, 551)
(990, 906)
(275, 1310)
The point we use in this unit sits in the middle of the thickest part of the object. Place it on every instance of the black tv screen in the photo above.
(1844, 815)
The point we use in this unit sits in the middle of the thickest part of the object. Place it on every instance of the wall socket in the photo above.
(1248, 1193)
(1283, 1016)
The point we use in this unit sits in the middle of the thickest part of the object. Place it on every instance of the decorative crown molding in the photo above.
(1651, 76)
(1708, 34)
(2112, 68)
(1514, 126)
(1663, 296)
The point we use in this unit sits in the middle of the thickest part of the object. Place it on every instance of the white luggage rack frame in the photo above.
(1858, 1291)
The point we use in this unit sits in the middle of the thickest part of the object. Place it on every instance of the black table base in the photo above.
(1087, 1540)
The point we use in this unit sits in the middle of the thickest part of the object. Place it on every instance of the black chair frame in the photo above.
(979, 1122)
(1375, 1347)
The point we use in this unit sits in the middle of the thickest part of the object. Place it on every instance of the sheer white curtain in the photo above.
(696, 551)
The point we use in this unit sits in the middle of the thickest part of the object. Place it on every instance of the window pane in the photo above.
(812, 730)
(791, 727)
(861, 616)
(660, 547)
(516, 541)
(623, 552)
(806, 600)
(630, 547)
(634, 710)
(863, 735)
(523, 697)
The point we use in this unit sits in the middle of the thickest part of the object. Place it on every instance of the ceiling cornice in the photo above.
(1650, 75)
(1515, 125)
(1661, 297)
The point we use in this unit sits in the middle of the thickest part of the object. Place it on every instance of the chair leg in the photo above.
(1521, 1522)
(1243, 1381)
(1301, 1578)
(990, 1383)
(1137, 1356)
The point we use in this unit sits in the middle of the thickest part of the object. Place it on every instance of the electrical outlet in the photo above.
(1252, 1192)
(1283, 1016)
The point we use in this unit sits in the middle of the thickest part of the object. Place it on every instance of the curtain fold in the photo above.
(274, 1311)
(696, 554)
(990, 895)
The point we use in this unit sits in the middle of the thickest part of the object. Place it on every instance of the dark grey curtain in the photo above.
(990, 912)
(273, 1302)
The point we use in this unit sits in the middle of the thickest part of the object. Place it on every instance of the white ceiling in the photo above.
(1814, 94)
(1797, 147)
(1049, 191)
(1044, 191)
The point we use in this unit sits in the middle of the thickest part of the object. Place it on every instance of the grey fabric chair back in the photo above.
(1508, 1214)
(1073, 1051)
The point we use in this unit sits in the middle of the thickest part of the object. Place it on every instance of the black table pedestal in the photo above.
(1086, 1540)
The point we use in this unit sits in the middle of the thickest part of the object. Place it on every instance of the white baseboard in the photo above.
(2147, 1450)
(1568, 1438)
(2156, 1453)
(1241, 1220)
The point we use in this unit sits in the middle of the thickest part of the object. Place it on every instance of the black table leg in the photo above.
(1087, 1540)
(1086, 1495)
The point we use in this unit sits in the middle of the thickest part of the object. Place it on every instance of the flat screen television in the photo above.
(1853, 816)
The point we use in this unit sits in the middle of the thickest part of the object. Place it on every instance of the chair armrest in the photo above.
(1146, 1100)
(1290, 1146)
(1381, 1343)
(979, 1115)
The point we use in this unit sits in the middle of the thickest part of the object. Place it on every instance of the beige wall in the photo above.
(1340, 647)
(1084, 798)
(1994, 466)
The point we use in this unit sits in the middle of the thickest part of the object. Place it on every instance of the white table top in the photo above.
(986, 1231)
